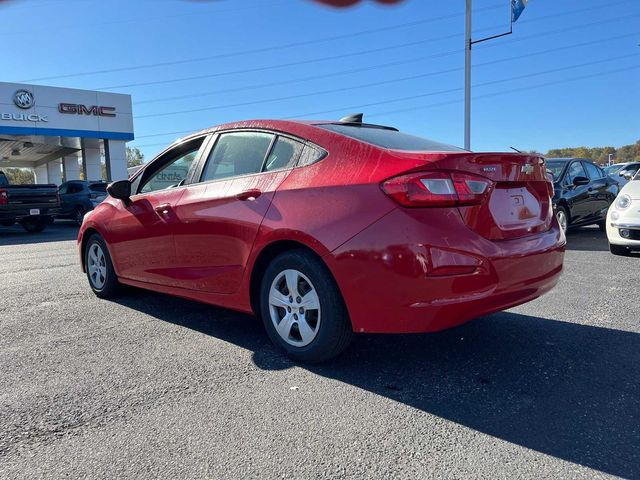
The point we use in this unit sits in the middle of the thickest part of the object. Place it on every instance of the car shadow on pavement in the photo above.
(587, 239)
(57, 232)
(564, 389)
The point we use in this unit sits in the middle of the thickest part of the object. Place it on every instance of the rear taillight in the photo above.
(437, 189)
(4, 196)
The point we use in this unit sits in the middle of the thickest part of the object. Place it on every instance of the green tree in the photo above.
(134, 157)
(19, 176)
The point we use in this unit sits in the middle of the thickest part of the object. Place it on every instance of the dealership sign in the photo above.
(25, 99)
(66, 112)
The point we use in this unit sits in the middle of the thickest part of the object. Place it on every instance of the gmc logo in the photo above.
(96, 110)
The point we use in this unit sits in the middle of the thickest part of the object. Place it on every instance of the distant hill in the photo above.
(626, 153)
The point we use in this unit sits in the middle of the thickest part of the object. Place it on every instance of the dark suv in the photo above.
(78, 197)
(582, 192)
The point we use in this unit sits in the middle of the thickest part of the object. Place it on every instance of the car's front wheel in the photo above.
(302, 308)
(100, 273)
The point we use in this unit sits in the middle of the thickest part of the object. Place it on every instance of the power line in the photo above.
(513, 90)
(483, 84)
(449, 102)
(362, 52)
(258, 50)
(308, 42)
(375, 67)
(344, 89)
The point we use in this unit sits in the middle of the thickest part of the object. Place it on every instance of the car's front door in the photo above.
(219, 217)
(141, 231)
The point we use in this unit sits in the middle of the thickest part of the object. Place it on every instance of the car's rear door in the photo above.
(598, 190)
(577, 196)
(219, 217)
(141, 231)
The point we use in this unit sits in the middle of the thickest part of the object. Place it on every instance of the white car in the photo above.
(623, 219)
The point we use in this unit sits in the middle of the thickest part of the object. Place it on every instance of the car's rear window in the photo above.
(391, 139)
(98, 187)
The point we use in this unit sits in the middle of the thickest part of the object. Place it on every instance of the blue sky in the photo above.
(568, 76)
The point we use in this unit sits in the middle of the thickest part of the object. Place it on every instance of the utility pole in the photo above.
(467, 78)
(515, 9)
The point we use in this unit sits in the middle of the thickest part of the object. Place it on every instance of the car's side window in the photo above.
(593, 171)
(284, 154)
(173, 170)
(63, 189)
(575, 170)
(237, 153)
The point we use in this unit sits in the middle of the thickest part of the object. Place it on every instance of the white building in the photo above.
(58, 132)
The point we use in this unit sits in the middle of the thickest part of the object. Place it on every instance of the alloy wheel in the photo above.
(294, 307)
(97, 266)
(562, 220)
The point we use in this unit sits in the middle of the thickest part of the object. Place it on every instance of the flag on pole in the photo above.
(517, 7)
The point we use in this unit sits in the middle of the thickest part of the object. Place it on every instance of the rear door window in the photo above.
(593, 171)
(284, 154)
(238, 153)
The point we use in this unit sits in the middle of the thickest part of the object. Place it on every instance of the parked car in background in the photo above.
(329, 228)
(623, 172)
(582, 192)
(32, 206)
(623, 219)
(78, 197)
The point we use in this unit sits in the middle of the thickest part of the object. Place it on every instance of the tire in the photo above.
(312, 335)
(619, 250)
(100, 273)
(7, 223)
(78, 215)
(563, 218)
(602, 226)
(34, 225)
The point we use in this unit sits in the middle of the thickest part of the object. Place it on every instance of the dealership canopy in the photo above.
(59, 131)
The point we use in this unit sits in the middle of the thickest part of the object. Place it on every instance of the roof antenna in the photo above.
(515, 149)
(354, 118)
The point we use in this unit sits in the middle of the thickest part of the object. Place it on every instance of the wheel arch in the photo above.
(266, 255)
(87, 233)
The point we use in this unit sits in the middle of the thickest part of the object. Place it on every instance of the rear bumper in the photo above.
(23, 212)
(424, 270)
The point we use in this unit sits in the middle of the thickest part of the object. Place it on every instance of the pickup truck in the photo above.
(32, 206)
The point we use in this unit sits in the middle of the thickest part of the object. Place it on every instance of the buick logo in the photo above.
(23, 99)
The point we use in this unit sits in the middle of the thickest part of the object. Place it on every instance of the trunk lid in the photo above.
(518, 203)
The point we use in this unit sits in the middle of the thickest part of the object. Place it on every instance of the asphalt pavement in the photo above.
(150, 386)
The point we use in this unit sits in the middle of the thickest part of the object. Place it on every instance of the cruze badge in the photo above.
(489, 169)
(527, 169)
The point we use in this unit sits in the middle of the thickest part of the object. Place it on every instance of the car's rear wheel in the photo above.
(302, 308)
(563, 218)
(102, 277)
(619, 250)
(34, 224)
(78, 215)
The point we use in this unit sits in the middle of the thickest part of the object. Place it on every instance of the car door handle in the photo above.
(250, 195)
(163, 208)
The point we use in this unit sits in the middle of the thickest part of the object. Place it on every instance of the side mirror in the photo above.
(120, 189)
(577, 181)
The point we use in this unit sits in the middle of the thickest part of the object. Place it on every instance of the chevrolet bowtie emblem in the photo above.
(527, 169)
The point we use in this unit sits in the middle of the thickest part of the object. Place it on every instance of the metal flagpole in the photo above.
(468, 43)
(467, 78)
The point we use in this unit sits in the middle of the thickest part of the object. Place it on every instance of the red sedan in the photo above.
(329, 228)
